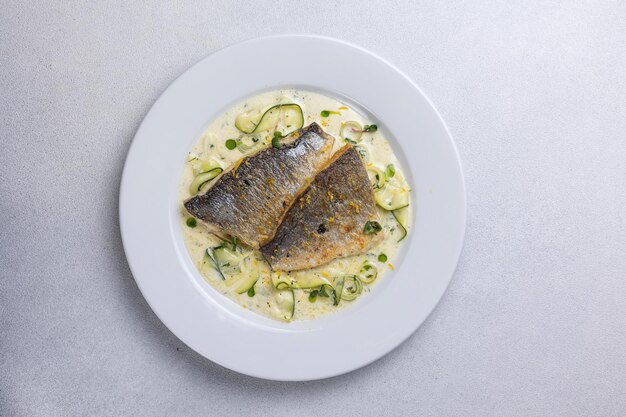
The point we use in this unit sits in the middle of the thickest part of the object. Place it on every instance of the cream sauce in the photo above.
(211, 150)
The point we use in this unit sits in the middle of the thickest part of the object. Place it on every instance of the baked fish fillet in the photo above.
(250, 200)
(328, 219)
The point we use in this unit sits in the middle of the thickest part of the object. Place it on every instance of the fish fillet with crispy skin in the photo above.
(327, 221)
(250, 200)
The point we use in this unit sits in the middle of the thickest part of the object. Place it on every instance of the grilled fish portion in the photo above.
(328, 219)
(250, 200)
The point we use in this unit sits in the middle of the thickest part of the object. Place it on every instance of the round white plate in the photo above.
(215, 326)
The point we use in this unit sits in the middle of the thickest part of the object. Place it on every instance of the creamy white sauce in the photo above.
(211, 150)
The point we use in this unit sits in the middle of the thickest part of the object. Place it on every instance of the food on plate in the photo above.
(293, 204)
(249, 200)
(333, 218)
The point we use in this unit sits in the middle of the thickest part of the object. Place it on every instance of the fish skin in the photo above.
(250, 200)
(307, 237)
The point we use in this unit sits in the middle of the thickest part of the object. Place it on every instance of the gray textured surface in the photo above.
(534, 322)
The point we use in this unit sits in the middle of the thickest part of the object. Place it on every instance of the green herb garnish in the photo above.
(313, 296)
(231, 144)
(352, 142)
(251, 292)
(191, 222)
(276, 139)
(326, 113)
(337, 290)
(372, 227)
(381, 258)
(322, 292)
(390, 171)
(210, 253)
(232, 241)
(370, 128)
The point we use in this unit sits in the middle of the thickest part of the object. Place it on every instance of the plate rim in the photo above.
(463, 201)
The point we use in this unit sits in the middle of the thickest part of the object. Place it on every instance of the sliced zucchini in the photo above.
(377, 177)
(226, 256)
(284, 303)
(368, 272)
(201, 179)
(247, 122)
(269, 120)
(209, 262)
(244, 275)
(229, 261)
(392, 196)
(299, 282)
(337, 289)
(246, 145)
(246, 282)
(351, 132)
(402, 218)
(239, 269)
(293, 117)
(204, 165)
(208, 165)
(290, 115)
(352, 287)
(311, 281)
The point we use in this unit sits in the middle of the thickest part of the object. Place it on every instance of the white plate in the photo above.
(215, 326)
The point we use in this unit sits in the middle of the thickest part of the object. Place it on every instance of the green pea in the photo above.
(231, 144)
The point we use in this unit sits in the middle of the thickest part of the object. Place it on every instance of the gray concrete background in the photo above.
(534, 321)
